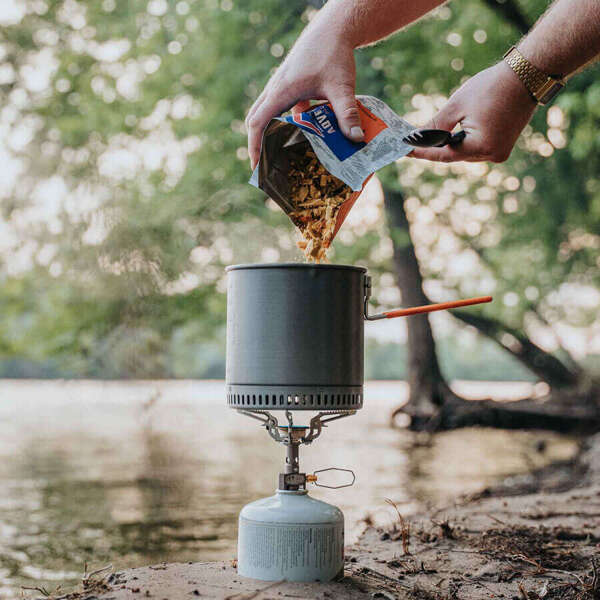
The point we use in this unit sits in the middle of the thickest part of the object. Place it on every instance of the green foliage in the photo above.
(142, 124)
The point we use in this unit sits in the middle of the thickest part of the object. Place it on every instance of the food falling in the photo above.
(317, 196)
(315, 173)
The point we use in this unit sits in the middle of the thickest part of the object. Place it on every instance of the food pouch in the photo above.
(287, 140)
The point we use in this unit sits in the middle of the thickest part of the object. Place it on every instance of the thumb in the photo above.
(446, 119)
(344, 106)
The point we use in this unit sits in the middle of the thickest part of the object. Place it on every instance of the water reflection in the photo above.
(138, 472)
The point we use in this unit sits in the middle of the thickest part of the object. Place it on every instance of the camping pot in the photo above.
(295, 335)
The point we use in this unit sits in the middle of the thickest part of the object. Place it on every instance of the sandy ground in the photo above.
(524, 547)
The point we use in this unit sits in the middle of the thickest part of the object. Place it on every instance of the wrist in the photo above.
(512, 86)
(337, 21)
(529, 49)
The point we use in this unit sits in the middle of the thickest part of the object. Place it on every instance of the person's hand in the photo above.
(493, 107)
(319, 66)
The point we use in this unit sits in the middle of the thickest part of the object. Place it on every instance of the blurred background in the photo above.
(123, 196)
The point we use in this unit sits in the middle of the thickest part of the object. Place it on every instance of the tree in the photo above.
(132, 191)
(138, 146)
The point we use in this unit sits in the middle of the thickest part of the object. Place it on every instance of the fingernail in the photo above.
(357, 134)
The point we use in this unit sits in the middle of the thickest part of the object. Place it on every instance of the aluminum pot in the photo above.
(295, 335)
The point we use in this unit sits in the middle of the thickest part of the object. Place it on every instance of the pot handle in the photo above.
(416, 310)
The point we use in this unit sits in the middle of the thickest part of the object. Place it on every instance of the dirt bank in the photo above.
(539, 544)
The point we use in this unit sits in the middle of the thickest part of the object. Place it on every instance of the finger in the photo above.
(447, 119)
(301, 107)
(445, 154)
(470, 149)
(252, 153)
(344, 106)
(257, 104)
(272, 106)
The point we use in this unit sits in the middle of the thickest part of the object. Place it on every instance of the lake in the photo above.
(138, 472)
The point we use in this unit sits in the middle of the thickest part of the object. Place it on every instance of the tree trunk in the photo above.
(564, 412)
(428, 388)
(432, 406)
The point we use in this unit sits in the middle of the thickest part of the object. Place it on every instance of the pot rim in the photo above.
(293, 265)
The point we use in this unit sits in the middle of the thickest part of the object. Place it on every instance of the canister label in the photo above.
(284, 548)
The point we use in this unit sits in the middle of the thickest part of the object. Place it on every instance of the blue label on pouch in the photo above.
(322, 121)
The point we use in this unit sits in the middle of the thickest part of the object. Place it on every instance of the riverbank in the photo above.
(538, 544)
(146, 471)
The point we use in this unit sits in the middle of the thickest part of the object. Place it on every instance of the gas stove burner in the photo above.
(291, 536)
(292, 437)
(294, 345)
(295, 434)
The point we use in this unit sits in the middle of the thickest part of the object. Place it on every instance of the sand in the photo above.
(498, 545)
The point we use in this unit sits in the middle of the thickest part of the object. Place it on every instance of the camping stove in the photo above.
(294, 344)
(291, 536)
(295, 337)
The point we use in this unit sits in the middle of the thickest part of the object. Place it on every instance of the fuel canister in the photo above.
(291, 536)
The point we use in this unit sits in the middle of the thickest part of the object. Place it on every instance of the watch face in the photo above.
(549, 95)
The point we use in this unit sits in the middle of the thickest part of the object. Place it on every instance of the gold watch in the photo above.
(541, 86)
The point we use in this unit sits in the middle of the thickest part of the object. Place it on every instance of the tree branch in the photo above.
(542, 363)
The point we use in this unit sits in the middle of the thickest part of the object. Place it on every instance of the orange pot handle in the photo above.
(427, 308)
(416, 310)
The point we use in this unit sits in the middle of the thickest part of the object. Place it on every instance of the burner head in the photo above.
(295, 337)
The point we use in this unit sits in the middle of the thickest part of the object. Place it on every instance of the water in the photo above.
(134, 473)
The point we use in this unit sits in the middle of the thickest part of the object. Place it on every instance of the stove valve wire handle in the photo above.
(298, 481)
(312, 478)
(416, 310)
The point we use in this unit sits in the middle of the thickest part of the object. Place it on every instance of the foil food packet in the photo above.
(312, 142)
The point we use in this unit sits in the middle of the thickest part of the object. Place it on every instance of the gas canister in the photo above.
(291, 536)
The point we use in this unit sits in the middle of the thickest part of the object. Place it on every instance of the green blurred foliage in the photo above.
(142, 124)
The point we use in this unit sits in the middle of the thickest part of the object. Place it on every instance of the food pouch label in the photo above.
(349, 161)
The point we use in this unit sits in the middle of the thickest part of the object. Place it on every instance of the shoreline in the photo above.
(501, 543)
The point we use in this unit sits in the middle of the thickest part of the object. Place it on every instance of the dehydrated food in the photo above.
(315, 174)
(317, 196)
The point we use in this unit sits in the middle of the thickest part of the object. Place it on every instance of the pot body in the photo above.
(295, 336)
(291, 537)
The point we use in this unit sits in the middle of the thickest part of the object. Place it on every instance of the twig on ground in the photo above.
(88, 576)
(404, 527)
(377, 576)
(581, 582)
(42, 590)
(523, 592)
(495, 519)
(446, 529)
(526, 559)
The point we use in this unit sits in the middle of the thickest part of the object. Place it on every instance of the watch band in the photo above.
(541, 86)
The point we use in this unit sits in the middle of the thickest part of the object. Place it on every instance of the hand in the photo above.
(493, 107)
(319, 66)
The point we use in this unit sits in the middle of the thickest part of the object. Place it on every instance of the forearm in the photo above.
(566, 38)
(363, 22)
